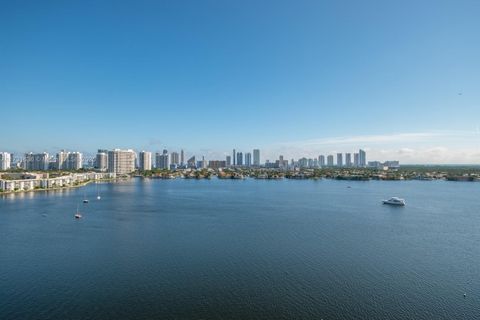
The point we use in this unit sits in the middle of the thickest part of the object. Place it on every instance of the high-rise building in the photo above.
(356, 161)
(303, 162)
(248, 159)
(339, 160)
(36, 161)
(321, 160)
(101, 160)
(229, 161)
(175, 158)
(310, 163)
(202, 164)
(348, 159)
(217, 164)
(121, 161)
(5, 161)
(191, 162)
(145, 161)
(234, 158)
(362, 158)
(62, 157)
(182, 157)
(239, 159)
(330, 160)
(69, 160)
(162, 160)
(256, 157)
(74, 161)
(282, 163)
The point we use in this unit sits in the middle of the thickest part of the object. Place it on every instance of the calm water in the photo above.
(223, 249)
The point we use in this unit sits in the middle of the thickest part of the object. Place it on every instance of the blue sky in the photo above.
(291, 77)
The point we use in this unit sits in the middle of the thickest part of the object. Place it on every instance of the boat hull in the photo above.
(400, 204)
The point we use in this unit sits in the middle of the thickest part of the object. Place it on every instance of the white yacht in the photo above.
(394, 201)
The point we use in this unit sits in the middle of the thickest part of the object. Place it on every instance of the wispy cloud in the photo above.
(385, 138)
(411, 147)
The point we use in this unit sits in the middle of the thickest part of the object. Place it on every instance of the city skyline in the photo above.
(412, 148)
(127, 160)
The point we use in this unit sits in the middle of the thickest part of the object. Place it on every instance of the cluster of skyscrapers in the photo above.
(126, 161)
(239, 160)
(359, 161)
(43, 161)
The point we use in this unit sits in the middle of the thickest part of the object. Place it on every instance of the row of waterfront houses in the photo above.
(33, 181)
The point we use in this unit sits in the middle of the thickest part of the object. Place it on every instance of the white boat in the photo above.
(78, 215)
(395, 201)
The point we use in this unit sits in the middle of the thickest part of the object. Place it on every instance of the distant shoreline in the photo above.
(354, 179)
(407, 173)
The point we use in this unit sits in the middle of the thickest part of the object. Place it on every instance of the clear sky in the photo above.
(398, 78)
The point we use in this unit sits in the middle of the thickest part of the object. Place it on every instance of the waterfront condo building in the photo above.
(162, 161)
(62, 157)
(356, 160)
(256, 157)
(36, 161)
(74, 161)
(191, 162)
(248, 159)
(239, 159)
(303, 162)
(339, 160)
(68, 160)
(175, 158)
(145, 161)
(348, 159)
(202, 164)
(321, 160)
(121, 161)
(5, 161)
(101, 160)
(330, 160)
(362, 158)
(217, 164)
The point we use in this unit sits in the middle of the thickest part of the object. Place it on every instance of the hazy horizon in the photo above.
(380, 147)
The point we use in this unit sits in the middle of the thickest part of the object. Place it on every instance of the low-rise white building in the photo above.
(30, 181)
